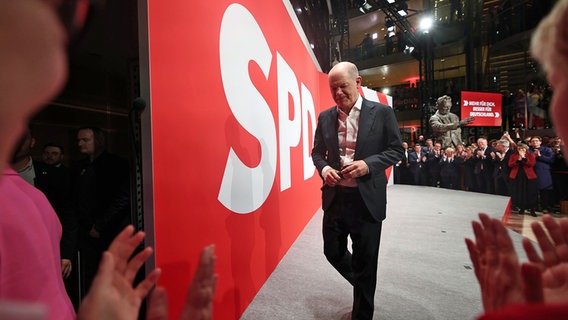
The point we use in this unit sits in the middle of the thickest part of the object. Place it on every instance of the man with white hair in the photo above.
(500, 158)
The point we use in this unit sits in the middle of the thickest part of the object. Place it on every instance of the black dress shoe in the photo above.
(533, 214)
(522, 211)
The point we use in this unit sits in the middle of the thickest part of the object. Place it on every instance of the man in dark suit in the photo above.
(417, 166)
(102, 199)
(483, 170)
(401, 170)
(353, 145)
(501, 167)
(433, 163)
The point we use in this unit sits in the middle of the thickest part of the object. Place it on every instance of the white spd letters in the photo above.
(244, 189)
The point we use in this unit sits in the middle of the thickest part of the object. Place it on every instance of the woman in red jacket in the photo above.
(523, 180)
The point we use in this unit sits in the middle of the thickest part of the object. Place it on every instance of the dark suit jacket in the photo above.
(102, 195)
(486, 164)
(450, 169)
(501, 166)
(378, 144)
(55, 183)
(415, 165)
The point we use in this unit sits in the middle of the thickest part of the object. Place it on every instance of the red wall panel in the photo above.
(229, 79)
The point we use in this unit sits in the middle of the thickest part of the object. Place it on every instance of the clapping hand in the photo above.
(495, 263)
(112, 294)
(113, 297)
(503, 280)
(553, 265)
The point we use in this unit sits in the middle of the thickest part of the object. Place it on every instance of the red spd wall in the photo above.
(235, 96)
(234, 100)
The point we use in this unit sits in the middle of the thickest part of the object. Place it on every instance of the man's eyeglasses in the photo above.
(73, 15)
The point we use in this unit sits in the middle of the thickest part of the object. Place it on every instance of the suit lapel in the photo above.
(366, 121)
(333, 138)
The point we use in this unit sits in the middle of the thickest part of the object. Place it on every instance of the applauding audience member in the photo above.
(524, 192)
(537, 289)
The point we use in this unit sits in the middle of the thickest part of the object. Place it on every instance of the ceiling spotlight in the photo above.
(365, 7)
(425, 24)
(408, 50)
(402, 8)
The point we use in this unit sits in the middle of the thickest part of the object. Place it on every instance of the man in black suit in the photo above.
(401, 170)
(433, 163)
(417, 166)
(102, 199)
(501, 169)
(353, 145)
(483, 170)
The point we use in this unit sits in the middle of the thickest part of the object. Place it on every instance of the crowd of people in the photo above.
(531, 170)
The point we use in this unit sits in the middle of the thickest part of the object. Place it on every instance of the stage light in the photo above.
(402, 8)
(375, 35)
(391, 1)
(365, 7)
(408, 50)
(425, 24)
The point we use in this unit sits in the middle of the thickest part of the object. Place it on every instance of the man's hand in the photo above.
(332, 177)
(66, 268)
(355, 169)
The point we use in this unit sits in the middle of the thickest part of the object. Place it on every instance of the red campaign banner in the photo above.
(484, 106)
(234, 98)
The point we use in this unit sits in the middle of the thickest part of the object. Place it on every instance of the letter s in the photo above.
(245, 189)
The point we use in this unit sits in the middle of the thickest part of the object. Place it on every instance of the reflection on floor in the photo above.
(522, 223)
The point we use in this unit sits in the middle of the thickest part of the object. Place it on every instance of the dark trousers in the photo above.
(90, 252)
(502, 187)
(348, 215)
(485, 182)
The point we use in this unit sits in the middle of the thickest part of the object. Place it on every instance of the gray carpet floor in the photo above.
(424, 267)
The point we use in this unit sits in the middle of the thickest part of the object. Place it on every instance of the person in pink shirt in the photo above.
(30, 268)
